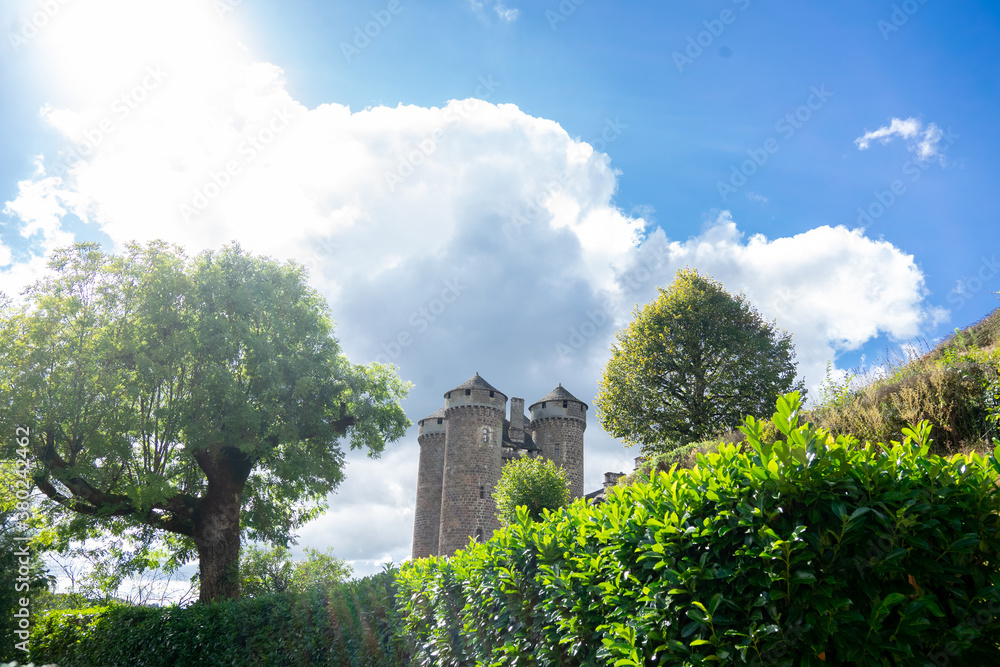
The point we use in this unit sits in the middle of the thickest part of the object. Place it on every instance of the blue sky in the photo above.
(494, 186)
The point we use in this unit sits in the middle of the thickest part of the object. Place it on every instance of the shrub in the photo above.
(354, 623)
(537, 484)
(807, 551)
(685, 456)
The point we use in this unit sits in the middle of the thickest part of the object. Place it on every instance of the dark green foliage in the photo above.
(804, 551)
(537, 484)
(691, 364)
(352, 623)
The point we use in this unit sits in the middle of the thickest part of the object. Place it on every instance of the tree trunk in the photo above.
(217, 536)
(217, 525)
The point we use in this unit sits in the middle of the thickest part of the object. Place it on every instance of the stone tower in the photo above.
(474, 415)
(557, 425)
(430, 476)
(464, 446)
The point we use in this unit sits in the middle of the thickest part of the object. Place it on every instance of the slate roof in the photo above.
(438, 414)
(558, 394)
(476, 382)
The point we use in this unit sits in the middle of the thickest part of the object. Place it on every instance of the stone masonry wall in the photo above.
(567, 433)
(430, 476)
(471, 471)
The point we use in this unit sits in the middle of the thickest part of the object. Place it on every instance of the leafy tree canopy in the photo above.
(537, 484)
(265, 571)
(193, 399)
(691, 365)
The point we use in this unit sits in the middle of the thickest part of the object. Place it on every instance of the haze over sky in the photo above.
(493, 186)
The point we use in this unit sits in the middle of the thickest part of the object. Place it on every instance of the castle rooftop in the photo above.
(558, 394)
(476, 382)
(437, 414)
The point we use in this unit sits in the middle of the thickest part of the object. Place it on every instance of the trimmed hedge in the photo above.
(806, 551)
(349, 624)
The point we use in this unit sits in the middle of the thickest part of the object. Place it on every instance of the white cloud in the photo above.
(448, 240)
(502, 11)
(921, 140)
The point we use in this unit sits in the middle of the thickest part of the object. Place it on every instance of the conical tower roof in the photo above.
(437, 414)
(476, 382)
(558, 394)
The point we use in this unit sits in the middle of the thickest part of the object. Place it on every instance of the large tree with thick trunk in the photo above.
(191, 402)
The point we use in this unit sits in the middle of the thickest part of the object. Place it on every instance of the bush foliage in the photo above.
(352, 623)
(811, 550)
(537, 484)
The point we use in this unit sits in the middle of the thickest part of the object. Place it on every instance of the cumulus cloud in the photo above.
(924, 141)
(464, 237)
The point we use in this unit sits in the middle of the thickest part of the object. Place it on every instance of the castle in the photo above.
(463, 448)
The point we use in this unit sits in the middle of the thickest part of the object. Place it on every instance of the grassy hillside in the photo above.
(954, 385)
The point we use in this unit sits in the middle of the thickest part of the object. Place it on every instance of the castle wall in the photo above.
(430, 477)
(460, 465)
(471, 468)
(561, 440)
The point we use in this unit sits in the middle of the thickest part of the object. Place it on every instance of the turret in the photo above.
(430, 476)
(473, 417)
(557, 425)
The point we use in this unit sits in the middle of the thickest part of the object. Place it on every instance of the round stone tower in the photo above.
(430, 475)
(557, 425)
(473, 416)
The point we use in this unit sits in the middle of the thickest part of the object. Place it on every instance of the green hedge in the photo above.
(813, 551)
(349, 624)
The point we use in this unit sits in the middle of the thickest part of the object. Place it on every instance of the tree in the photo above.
(198, 401)
(691, 365)
(273, 570)
(538, 484)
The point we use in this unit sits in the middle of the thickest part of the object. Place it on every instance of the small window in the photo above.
(468, 392)
(558, 452)
(543, 405)
(486, 434)
(491, 394)
(479, 534)
(440, 420)
(482, 492)
(565, 404)
(449, 395)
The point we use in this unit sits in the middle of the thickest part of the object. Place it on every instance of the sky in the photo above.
(494, 186)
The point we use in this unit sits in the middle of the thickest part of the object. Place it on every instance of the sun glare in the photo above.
(98, 50)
